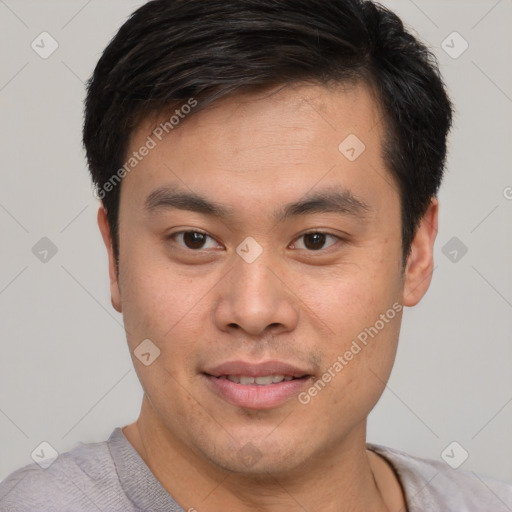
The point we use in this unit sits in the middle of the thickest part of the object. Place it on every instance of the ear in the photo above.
(104, 226)
(420, 263)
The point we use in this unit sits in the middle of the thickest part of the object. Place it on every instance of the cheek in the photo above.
(355, 375)
(362, 312)
(349, 297)
(173, 310)
(158, 302)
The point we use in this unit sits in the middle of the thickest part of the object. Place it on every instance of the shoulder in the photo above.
(433, 485)
(74, 481)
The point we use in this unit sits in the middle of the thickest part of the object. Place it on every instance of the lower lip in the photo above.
(252, 396)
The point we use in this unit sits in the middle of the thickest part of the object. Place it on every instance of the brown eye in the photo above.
(195, 240)
(315, 241)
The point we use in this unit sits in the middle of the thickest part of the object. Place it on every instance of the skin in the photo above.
(254, 153)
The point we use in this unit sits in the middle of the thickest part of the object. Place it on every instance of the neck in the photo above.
(340, 479)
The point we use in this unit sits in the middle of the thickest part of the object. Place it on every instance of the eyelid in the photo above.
(171, 236)
(320, 232)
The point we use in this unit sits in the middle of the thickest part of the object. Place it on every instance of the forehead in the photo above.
(265, 148)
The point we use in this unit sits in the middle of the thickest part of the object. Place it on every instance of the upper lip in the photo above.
(257, 369)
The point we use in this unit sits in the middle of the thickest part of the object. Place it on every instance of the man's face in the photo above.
(218, 305)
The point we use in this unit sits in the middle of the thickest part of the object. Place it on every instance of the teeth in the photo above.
(260, 381)
(263, 381)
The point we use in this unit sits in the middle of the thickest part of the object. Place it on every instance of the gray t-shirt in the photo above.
(111, 477)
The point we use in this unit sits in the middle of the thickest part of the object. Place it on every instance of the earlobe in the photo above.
(420, 263)
(112, 267)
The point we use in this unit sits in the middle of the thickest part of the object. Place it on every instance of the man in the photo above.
(268, 172)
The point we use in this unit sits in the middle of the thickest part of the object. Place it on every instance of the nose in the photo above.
(257, 298)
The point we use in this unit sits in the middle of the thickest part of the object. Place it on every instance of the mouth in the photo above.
(246, 380)
(257, 386)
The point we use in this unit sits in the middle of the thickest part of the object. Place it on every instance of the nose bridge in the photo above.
(252, 262)
(254, 283)
(255, 280)
(253, 298)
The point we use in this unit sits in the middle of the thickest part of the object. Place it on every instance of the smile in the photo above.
(260, 381)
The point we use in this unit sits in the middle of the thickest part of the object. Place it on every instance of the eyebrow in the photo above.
(339, 201)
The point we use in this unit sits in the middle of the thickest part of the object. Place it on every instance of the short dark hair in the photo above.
(170, 51)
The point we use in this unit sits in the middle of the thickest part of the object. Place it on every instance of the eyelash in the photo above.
(327, 234)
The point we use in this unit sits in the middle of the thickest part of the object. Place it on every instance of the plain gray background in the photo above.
(65, 371)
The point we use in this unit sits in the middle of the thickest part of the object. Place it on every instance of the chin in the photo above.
(268, 464)
(253, 458)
